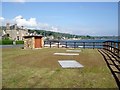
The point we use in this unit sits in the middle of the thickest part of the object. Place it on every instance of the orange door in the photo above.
(38, 42)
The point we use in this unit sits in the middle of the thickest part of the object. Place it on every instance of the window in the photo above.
(17, 37)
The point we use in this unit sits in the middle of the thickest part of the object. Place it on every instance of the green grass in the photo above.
(40, 69)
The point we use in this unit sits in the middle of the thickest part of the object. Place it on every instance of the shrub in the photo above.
(20, 42)
(6, 42)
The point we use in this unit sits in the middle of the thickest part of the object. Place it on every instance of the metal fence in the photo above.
(63, 44)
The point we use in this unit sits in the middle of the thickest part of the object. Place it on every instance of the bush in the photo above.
(6, 42)
(20, 42)
(10, 42)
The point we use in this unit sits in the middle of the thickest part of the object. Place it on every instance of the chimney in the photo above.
(22, 27)
(8, 26)
(15, 27)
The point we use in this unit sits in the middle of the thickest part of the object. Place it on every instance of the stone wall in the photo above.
(17, 34)
(29, 43)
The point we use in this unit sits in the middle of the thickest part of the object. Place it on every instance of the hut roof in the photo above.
(33, 36)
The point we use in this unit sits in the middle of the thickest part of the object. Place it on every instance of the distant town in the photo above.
(14, 32)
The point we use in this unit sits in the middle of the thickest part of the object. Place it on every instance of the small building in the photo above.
(14, 32)
(31, 42)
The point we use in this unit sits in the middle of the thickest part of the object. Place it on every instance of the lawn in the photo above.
(40, 69)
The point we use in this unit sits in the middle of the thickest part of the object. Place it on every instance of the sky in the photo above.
(80, 18)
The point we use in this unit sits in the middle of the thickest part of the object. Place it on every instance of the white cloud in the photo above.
(55, 29)
(32, 23)
(2, 19)
(20, 21)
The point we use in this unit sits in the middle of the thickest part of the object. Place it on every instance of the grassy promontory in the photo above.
(40, 68)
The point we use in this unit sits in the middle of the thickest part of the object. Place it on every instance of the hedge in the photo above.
(10, 42)
(20, 42)
(6, 42)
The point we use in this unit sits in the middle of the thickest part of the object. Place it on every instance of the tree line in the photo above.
(58, 35)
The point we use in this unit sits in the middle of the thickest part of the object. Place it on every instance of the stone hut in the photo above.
(32, 42)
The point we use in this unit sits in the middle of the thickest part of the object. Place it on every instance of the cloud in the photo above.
(20, 21)
(55, 29)
(31, 23)
(2, 19)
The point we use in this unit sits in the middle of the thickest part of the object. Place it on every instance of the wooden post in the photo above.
(84, 45)
(66, 44)
(109, 46)
(44, 43)
(93, 45)
(106, 45)
(114, 47)
(103, 45)
(50, 44)
(74, 44)
(119, 49)
(58, 44)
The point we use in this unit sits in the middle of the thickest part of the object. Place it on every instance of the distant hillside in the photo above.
(58, 35)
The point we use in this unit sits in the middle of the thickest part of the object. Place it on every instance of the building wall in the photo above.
(29, 43)
(17, 34)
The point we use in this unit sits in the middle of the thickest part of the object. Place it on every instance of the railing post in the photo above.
(114, 46)
(107, 45)
(74, 44)
(58, 44)
(66, 44)
(93, 45)
(84, 45)
(44, 43)
(104, 45)
(50, 44)
(111, 46)
(119, 49)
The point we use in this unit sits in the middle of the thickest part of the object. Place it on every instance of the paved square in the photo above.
(70, 64)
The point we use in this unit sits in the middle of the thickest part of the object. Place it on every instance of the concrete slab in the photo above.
(70, 64)
(73, 50)
(66, 54)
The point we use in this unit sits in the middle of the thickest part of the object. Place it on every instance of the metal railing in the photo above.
(65, 44)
